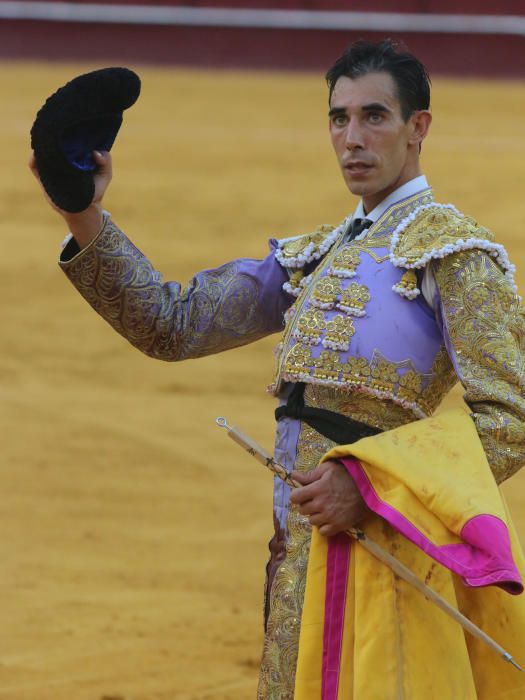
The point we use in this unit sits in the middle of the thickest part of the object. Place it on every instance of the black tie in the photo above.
(357, 227)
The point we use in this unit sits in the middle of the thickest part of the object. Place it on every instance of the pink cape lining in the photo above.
(337, 569)
(483, 558)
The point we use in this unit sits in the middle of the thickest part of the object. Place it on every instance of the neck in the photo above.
(370, 202)
(373, 201)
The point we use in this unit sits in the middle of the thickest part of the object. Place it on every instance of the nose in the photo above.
(354, 135)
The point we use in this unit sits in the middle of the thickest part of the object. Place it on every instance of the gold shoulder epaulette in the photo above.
(294, 253)
(299, 251)
(436, 230)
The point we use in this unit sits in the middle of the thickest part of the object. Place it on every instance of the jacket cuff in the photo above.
(72, 251)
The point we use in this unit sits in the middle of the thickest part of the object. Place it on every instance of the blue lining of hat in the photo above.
(78, 141)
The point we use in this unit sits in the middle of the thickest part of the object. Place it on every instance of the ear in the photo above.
(420, 122)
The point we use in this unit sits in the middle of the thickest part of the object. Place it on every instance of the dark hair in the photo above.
(409, 74)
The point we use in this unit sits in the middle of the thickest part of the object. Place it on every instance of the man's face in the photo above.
(377, 150)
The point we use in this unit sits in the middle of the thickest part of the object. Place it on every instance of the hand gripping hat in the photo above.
(82, 116)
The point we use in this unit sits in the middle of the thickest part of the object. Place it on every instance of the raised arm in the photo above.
(223, 308)
(484, 330)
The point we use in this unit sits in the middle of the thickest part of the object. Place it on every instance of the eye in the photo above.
(339, 120)
(375, 117)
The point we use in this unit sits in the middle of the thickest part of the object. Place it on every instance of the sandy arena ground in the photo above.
(133, 531)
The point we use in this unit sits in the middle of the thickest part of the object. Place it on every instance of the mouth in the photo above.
(358, 168)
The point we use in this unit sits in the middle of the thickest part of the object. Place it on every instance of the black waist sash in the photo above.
(334, 426)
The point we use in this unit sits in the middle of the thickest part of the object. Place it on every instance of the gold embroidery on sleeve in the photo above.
(486, 325)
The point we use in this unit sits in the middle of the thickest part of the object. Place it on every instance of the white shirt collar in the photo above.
(409, 188)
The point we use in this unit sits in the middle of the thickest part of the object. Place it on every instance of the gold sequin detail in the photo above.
(408, 281)
(325, 293)
(442, 378)
(354, 298)
(379, 412)
(384, 376)
(298, 361)
(345, 263)
(410, 385)
(338, 333)
(327, 365)
(420, 393)
(357, 371)
(310, 326)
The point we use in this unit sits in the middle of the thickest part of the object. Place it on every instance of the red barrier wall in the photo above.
(476, 7)
(449, 54)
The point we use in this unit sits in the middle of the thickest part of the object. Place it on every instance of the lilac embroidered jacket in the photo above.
(350, 329)
(366, 329)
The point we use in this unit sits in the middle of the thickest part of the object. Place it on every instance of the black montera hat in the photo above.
(81, 117)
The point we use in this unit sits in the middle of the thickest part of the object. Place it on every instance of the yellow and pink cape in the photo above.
(366, 634)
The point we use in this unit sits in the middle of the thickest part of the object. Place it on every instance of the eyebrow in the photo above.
(375, 107)
(372, 107)
(336, 110)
